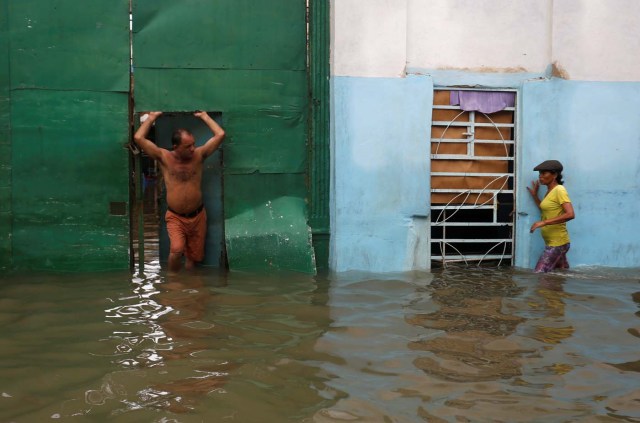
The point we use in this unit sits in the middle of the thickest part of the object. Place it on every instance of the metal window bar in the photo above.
(459, 203)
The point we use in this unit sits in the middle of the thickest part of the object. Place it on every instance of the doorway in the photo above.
(258, 65)
(472, 183)
(153, 245)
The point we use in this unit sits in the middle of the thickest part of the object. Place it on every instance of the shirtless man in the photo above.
(182, 173)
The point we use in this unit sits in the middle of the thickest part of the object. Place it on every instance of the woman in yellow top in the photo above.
(556, 210)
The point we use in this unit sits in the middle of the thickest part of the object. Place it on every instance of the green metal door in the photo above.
(247, 60)
(63, 123)
(6, 258)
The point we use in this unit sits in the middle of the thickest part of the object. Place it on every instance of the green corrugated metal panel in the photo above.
(64, 44)
(5, 82)
(69, 78)
(4, 48)
(319, 30)
(266, 227)
(5, 240)
(5, 199)
(5, 105)
(245, 59)
(319, 70)
(238, 91)
(69, 164)
(5, 136)
(5, 140)
(221, 34)
(70, 247)
(5, 166)
(321, 250)
(265, 112)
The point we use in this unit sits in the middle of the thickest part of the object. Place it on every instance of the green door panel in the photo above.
(64, 120)
(69, 165)
(247, 60)
(68, 84)
(266, 114)
(266, 227)
(5, 141)
(221, 34)
(63, 44)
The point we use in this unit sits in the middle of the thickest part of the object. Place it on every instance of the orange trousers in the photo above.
(187, 234)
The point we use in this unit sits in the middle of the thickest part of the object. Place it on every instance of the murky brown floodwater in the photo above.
(456, 345)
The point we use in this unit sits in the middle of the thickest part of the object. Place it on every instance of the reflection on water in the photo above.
(474, 343)
(449, 346)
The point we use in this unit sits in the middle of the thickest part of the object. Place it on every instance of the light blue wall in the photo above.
(593, 128)
(380, 173)
(380, 167)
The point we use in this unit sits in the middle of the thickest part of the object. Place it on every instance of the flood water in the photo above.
(453, 345)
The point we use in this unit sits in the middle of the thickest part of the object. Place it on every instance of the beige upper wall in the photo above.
(481, 35)
(369, 37)
(587, 39)
(597, 40)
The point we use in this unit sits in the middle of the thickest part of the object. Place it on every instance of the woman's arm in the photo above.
(533, 190)
(564, 217)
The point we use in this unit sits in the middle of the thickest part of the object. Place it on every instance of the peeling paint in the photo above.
(558, 71)
(486, 69)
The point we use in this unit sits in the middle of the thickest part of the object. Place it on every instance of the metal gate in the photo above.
(472, 184)
(252, 66)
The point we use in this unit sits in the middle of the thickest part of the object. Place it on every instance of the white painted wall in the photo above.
(593, 40)
(597, 40)
(369, 37)
(479, 35)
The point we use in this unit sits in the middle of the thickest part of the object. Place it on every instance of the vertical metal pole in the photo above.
(471, 146)
(6, 237)
(319, 148)
(140, 207)
(137, 161)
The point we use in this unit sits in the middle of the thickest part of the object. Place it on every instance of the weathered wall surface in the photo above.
(245, 59)
(369, 38)
(64, 122)
(592, 128)
(68, 125)
(575, 66)
(597, 40)
(480, 36)
(381, 177)
(5, 140)
(63, 119)
(586, 39)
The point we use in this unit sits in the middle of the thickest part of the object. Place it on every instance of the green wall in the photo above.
(319, 151)
(5, 141)
(68, 117)
(247, 60)
(64, 124)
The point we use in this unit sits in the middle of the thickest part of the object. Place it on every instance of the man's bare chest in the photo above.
(182, 173)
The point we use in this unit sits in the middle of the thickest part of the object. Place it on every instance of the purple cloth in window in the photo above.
(482, 101)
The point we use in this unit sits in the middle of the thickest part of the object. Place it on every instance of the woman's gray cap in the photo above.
(552, 165)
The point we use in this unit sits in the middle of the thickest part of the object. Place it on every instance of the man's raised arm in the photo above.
(218, 135)
(140, 137)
